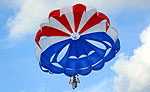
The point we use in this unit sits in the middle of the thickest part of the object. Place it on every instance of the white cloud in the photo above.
(27, 20)
(134, 71)
(30, 13)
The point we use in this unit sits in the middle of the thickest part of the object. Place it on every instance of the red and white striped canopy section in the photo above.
(72, 22)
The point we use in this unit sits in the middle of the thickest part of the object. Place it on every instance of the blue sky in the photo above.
(19, 68)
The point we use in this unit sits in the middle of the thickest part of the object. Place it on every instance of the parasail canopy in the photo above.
(76, 40)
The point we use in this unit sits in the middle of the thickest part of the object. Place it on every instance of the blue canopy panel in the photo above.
(81, 56)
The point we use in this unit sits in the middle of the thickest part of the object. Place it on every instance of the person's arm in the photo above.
(70, 82)
(78, 81)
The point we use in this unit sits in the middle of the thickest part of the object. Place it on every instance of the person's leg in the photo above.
(73, 85)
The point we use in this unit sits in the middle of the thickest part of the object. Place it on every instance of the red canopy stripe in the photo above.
(49, 31)
(95, 19)
(62, 19)
(78, 10)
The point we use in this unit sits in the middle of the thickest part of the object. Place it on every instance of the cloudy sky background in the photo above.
(129, 71)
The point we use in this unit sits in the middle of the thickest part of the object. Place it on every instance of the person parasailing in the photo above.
(74, 82)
